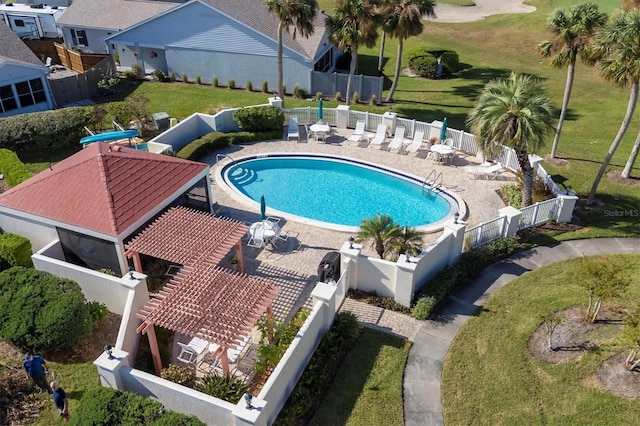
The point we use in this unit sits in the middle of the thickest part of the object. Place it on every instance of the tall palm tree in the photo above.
(354, 23)
(619, 44)
(409, 239)
(385, 23)
(381, 230)
(298, 14)
(574, 31)
(405, 20)
(515, 112)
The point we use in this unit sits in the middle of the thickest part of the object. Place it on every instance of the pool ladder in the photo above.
(218, 156)
(430, 183)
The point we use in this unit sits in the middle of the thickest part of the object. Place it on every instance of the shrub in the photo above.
(269, 354)
(338, 97)
(318, 96)
(15, 250)
(231, 84)
(185, 78)
(178, 374)
(298, 92)
(97, 312)
(254, 119)
(41, 312)
(158, 75)
(137, 71)
(355, 98)
(12, 168)
(216, 140)
(424, 307)
(450, 61)
(249, 86)
(198, 79)
(106, 406)
(120, 112)
(172, 76)
(129, 74)
(424, 66)
(227, 388)
(215, 82)
(265, 86)
(512, 195)
(373, 100)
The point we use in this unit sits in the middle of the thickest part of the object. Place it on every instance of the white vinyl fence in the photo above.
(539, 213)
(484, 233)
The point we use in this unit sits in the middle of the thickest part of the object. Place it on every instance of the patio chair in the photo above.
(280, 238)
(256, 240)
(358, 133)
(274, 219)
(188, 355)
(490, 172)
(416, 144)
(398, 140)
(293, 129)
(381, 135)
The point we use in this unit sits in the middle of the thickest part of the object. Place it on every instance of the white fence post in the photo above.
(457, 230)
(566, 203)
(350, 254)
(512, 220)
(109, 369)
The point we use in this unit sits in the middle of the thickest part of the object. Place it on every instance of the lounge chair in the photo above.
(491, 172)
(188, 355)
(416, 144)
(381, 135)
(293, 129)
(398, 140)
(358, 133)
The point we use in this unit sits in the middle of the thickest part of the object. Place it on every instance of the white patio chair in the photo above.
(293, 130)
(398, 139)
(274, 219)
(280, 238)
(256, 240)
(188, 355)
(490, 172)
(416, 144)
(358, 133)
(380, 136)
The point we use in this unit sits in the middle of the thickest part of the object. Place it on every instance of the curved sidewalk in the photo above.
(422, 401)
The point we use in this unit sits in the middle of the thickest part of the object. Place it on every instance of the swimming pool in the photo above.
(335, 192)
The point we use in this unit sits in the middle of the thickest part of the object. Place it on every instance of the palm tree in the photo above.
(353, 23)
(405, 20)
(619, 44)
(291, 13)
(381, 230)
(385, 23)
(573, 32)
(515, 112)
(410, 239)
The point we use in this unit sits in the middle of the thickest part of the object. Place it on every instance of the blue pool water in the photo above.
(334, 191)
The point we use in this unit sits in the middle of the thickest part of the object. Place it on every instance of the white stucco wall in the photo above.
(40, 234)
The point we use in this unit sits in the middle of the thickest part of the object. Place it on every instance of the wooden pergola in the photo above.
(215, 304)
(188, 237)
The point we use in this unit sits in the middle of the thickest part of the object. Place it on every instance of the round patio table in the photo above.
(269, 229)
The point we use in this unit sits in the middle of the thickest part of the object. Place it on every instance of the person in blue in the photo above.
(60, 399)
(36, 368)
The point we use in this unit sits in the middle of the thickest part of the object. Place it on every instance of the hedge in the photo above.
(106, 406)
(259, 119)
(15, 250)
(423, 61)
(12, 168)
(46, 131)
(214, 141)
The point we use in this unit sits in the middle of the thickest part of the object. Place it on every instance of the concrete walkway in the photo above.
(422, 401)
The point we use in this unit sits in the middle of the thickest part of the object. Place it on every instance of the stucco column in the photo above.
(350, 254)
(565, 210)
(405, 271)
(109, 369)
(457, 231)
(252, 415)
(275, 101)
(389, 120)
(342, 116)
(326, 294)
(513, 216)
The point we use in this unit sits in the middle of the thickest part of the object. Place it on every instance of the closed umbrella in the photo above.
(443, 131)
(320, 110)
(263, 208)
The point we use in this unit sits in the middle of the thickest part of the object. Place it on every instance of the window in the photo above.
(18, 23)
(324, 63)
(79, 37)
(7, 99)
(31, 92)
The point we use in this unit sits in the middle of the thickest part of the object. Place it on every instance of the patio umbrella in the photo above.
(443, 131)
(263, 208)
(320, 110)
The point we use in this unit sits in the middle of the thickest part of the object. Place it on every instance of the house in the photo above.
(96, 200)
(23, 77)
(86, 23)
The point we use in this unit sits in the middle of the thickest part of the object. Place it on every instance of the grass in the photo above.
(458, 2)
(368, 386)
(489, 377)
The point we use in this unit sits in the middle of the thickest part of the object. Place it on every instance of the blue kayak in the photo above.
(109, 136)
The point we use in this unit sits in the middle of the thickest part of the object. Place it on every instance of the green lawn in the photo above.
(489, 377)
(368, 386)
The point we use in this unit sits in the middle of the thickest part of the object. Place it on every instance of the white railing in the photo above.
(484, 233)
(539, 213)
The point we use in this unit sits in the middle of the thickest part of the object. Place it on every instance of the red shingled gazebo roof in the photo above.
(212, 303)
(188, 237)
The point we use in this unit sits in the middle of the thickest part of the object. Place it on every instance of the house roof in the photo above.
(13, 49)
(102, 189)
(112, 14)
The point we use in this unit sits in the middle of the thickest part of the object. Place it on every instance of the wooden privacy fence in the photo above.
(77, 87)
(79, 62)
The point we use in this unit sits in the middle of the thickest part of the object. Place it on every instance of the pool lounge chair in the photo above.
(398, 140)
(381, 135)
(491, 172)
(416, 144)
(293, 130)
(358, 133)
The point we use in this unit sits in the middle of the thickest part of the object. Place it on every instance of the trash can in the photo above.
(161, 120)
(329, 267)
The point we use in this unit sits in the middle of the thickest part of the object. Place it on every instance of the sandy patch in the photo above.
(482, 9)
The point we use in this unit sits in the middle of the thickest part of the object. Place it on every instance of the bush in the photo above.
(215, 140)
(424, 66)
(41, 312)
(249, 86)
(338, 97)
(158, 75)
(198, 79)
(46, 131)
(265, 87)
(185, 78)
(106, 406)
(97, 312)
(215, 82)
(172, 76)
(129, 74)
(270, 353)
(512, 195)
(256, 119)
(227, 388)
(318, 96)
(298, 92)
(470, 264)
(355, 98)
(231, 84)
(178, 374)
(451, 62)
(12, 168)
(373, 100)
(15, 250)
(137, 71)
(120, 112)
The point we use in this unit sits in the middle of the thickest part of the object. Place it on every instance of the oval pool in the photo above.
(335, 192)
